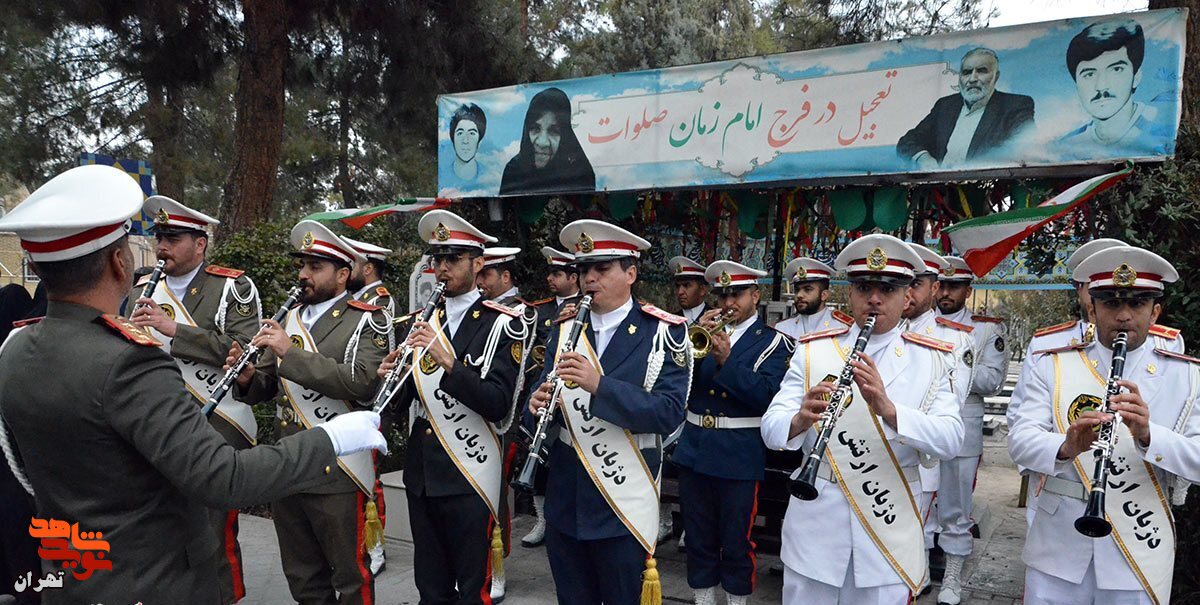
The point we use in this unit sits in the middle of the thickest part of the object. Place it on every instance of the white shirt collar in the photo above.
(922, 321)
(740, 329)
(962, 316)
(693, 314)
(456, 308)
(604, 325)
(513, 291)
(559, 300)
(311, 313)
(178, 285)
(368, 288)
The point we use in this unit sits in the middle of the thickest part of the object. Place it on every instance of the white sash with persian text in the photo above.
(468, 438)
(201, 378)
(866, 469)
(610, 455)
(1136, 504)
(313, 408)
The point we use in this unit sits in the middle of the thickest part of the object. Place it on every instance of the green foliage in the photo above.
(262, 253)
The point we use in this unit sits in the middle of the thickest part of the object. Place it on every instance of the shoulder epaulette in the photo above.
(842, 317)
(220, 271)
(495, 306)
(926, 341)
(1062, 349)
(565, 318)
(1179, 356)
(538, 303)
(132, 333)
(670, 318)
(1055, 329)
(362, 306)
(21, 323)
(142, 280)
(986, 319)
(1166, 332)
(402, 318)
(830, 333)
(942, 321)
(382, 291)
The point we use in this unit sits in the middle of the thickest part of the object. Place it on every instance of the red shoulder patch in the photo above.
(565, 318)
(830, 333)
(1057, 328)
(842, 317)
(1166, 332)
(220, 271)
(925, 341)
(362, 306)
(132, 333)
(495, 306)
(942, 321)
(986, 319)
(1179, 356)
(21, 323)
(538, 303)
(382, 291)
(671, 318)
(1063, 349)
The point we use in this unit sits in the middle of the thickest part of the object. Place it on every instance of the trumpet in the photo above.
(525, 479)
(701, 337)
(404, 359)
(803, 484)
(151, 284)
(249, 355)
(1093, 522)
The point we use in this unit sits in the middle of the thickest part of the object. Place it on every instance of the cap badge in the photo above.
(585, 244)
(877, 260)
(1124, 276)
(308, 241)
(549, 259)
(801, 273)
(725, 279)
(948, 271)
(162, 217)
(441, 233)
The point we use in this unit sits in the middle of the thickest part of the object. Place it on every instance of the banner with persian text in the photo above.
(1071, 92)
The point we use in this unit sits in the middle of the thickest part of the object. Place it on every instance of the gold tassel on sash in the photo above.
(373, 529)
(651, 588)
(497, 551)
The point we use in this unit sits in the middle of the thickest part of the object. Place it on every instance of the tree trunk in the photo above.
(344, 185)
(258, 128)
(163, 117)
(1191, 61)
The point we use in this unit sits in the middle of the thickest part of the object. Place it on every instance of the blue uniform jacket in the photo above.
(574, 505)
(735, 390)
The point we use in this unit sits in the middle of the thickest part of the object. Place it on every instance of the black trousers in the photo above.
(452, 544)
(595, 572)
(18, 551)
(718, 517)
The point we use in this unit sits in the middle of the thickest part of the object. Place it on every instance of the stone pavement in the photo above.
(992, 575)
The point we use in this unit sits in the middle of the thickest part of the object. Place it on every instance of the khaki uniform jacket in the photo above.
(326, 372)
(205, 343)
(111, 440)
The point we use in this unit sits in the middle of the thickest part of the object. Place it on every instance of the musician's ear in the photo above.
(1155, 312)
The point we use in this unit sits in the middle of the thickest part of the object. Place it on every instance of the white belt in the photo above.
(911, 474)
(1065, 488)
(644, 441)
(708, 421)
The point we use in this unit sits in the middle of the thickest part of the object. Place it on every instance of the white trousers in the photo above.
(1045, 589)
(801, 590)
(956, 503)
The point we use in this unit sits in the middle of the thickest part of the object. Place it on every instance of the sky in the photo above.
(1015, 12)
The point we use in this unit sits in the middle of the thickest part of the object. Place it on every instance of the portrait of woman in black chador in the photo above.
(551, 158)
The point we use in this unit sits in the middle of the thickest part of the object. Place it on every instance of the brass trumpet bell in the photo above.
(701, 337)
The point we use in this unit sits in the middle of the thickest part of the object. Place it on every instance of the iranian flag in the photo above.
(986, 240)
(358, 218)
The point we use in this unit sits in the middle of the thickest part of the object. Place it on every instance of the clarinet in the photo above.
(404, 365)
(536, 457)
(803, 484)
(151, 284)
(1093, 522)
(249, 355)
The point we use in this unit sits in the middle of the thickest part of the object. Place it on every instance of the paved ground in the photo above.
(992, 575)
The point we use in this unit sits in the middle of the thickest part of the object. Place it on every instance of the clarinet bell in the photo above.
(524, 480)
(803, 483)
(1093, 524)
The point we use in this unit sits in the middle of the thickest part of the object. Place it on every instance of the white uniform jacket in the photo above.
(820, 536)
(987, 377)
(799, 325)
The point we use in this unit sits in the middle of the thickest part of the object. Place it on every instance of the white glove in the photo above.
(354, 432)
